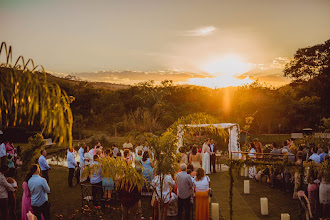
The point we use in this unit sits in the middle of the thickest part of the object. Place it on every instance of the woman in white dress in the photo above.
(206, 157)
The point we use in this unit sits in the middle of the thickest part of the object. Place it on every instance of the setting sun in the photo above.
(228, 65)
(224, 71)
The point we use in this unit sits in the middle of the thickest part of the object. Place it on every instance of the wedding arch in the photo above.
(233, 130)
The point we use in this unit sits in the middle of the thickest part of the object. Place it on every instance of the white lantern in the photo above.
(264, 206)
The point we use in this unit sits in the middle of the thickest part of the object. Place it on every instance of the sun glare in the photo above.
(229, 65)
(224, 71)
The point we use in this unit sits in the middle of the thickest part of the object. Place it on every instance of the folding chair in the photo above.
(86, 194)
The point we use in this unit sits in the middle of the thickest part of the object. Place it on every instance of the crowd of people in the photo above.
(178, 191)
(316, 182)
(190, 184)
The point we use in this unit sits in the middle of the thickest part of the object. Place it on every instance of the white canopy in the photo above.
(233, 130)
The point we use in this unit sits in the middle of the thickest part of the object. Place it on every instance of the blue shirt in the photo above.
(39, 188)
(43, 163)
(82, 157)
(71, 161)
(3, 150)
(322, 157)
(315, 158)
(96, 176)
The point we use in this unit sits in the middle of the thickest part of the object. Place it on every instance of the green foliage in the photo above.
(124, 175)
(26, 96)
(309, 62)
(326, 124)
(31, 152)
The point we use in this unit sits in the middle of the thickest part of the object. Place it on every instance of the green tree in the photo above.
(309, 62)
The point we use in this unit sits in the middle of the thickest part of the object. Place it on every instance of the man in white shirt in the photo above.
(128, 145)
(71, 165)
(166, 188)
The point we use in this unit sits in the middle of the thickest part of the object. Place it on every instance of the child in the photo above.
(77, 173)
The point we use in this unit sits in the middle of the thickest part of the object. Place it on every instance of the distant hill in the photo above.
(76, 80)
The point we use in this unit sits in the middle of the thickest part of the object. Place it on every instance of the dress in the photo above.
(147, 170)
(195, 161)
(26, 201)
(324, 192)
(202, 198)
(206, 158)
(107, 183)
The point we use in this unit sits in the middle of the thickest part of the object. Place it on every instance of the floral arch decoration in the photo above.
(233, 130)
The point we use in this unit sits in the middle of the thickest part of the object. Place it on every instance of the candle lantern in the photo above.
(264, 206)
(246, 186)
(215, 211)
(285, 216)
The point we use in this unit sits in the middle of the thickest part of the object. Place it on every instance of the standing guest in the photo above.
(315, 157)
(107, 154)
(71, 165)
(213, 157)
(39, 188)
(324, 191)
(4, 188)
(88, 158)
(3, 154)
(322, 154)
(195, 158)
(285, 146)
(11, 163)
(252, 155)
(184, 158)
(11, 195)
(10, 148)
(168, 183)
(26, 198)
(82, 160)
(191, 168)
(202, 186)
(146, 147)
(258, 146)
(139, 147)
(306, 152)
(147, 166)
(293, 148)
(313, 193)
(274, 152)
(77, 172)
(184, 184)
(297, 175)
(129, 201)
(138, 161)
(114, 150)
(128, 145)
(96, 181)
(44, 165)
(206, 156)
(127, 156)
(81, 152)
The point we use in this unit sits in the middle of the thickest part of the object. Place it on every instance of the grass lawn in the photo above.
(248, 206)
(65, 200)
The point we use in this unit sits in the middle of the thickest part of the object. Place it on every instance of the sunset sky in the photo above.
(212, 43)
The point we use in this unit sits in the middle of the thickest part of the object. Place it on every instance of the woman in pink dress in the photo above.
(26, 198)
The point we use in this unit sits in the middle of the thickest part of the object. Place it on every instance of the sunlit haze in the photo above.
(211, 43)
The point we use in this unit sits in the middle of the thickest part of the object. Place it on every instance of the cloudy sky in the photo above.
(213, 43)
